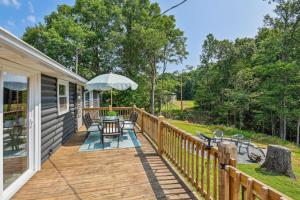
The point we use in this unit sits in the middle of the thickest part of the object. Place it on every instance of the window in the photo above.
(86, 99)
(62, 97)
(96, 99)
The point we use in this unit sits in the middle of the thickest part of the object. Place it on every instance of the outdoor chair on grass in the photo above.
(244, 144)
(129, 125)
(204, 138)
(218, 136)
(201, 136)
(110, 128)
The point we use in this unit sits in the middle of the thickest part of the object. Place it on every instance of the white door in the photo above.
(18, 146)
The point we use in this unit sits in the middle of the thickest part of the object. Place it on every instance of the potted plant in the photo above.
(112, 113)
(9, 120)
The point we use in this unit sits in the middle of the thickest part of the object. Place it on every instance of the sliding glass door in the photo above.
(15, 126)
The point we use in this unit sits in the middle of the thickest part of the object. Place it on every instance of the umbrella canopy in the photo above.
(14, 82)
(111, 81)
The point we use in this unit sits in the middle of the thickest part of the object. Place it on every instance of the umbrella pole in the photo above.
(111, 98)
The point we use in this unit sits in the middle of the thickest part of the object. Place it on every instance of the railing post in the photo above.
(142, 121)
(159, 134)
(133, 109)
(227, 153)
(110, 108)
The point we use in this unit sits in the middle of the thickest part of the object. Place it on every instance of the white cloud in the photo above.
(31, 8)
(11, 23)
(14, 3)
(31, 18)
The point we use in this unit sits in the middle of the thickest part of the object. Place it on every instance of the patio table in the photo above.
(120, 118)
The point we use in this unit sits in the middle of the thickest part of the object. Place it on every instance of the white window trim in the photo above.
(66, 84)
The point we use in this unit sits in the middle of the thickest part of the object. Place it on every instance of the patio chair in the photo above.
(201, 136)
(90, 127)
(204, 138)
(93, 122)
(244, 144)
(218, 136)
(129, 125)
(110, 128)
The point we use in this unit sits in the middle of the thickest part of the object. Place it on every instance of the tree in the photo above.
(127, 37)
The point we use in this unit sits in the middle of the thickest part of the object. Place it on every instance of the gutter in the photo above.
(22, 46)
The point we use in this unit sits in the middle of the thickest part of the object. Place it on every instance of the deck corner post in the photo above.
(142, 121)
(227, 155)
(159, 134)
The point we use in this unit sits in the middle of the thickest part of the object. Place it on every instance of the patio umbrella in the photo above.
(111, 81)
(14, 82)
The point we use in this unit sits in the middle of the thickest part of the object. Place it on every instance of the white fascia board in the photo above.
(14, 42)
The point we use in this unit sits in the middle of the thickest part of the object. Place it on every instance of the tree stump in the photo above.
(279, 160)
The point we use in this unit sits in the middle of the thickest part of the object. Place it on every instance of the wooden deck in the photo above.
(112, 174)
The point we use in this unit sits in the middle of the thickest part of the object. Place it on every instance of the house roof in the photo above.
(11, 41)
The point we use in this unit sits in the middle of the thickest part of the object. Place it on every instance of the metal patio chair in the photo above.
(218, 136)
(129, 125)
(110, 128)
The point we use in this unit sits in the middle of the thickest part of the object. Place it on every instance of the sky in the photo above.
(226, 19)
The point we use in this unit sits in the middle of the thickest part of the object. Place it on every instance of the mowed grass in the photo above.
(177, 105)
(281, 183)
(186, 104)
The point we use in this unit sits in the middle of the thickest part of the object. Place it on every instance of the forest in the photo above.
(248, 83)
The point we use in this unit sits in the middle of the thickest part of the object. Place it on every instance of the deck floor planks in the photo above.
(127, 174)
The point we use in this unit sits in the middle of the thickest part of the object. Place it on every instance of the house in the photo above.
(40, 108)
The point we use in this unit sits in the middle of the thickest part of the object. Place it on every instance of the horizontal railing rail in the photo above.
(103, 111)
(210, 170)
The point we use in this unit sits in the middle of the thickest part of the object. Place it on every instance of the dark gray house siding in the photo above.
(55, 129)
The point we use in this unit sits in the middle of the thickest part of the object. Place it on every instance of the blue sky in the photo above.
(226, 19)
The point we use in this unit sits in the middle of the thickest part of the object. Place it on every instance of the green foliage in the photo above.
(10, 117)
(112, 113)
(126, 37)
(254, 83)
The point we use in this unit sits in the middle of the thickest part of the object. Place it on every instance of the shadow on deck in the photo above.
(133, 173)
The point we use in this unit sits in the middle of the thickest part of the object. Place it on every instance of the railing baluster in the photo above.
(215, 184)
(197, 167)
(184, 161)
(208, 174)
(202, 169)
(188, 158)
(193, 162)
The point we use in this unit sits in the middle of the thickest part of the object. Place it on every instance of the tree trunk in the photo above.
(241, 120)
(284, 128)
(278, 160)
(281, 124)
(153, 81)
(298, 132)
(234, 119)
(272, 125)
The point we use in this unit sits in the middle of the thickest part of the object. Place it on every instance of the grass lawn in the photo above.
(281, 183)
(177, 105)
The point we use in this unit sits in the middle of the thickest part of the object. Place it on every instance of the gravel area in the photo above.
(243, 155)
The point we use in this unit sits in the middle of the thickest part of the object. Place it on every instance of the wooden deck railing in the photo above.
(210, 170)
(102, 111)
